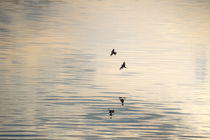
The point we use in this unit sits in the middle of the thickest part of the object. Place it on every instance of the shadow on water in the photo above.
(147, 120)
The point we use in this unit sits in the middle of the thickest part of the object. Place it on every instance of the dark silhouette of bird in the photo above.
(113, 52)
(111, 112)
(122, 99)
(123, 66)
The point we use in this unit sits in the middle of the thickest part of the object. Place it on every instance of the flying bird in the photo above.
(113, 52)
(122, 99)
(123, 66)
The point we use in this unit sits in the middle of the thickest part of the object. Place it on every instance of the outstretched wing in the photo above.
(124, 64)
(112, 52)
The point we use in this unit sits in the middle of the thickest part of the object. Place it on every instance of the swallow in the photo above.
(113, 52)
(123, 66)
(111, 112)
(122, 99)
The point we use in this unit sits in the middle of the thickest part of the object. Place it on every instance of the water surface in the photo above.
(57, 79)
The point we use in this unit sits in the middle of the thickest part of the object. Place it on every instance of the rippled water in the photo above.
(57, 79)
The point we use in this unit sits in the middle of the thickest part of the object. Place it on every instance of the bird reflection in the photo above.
(122, 99)
(113, 52)
(123, 66)
(111, 113)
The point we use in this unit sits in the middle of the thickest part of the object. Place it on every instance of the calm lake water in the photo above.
(57, 78)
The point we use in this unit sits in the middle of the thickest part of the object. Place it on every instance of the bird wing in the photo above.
(112, 52)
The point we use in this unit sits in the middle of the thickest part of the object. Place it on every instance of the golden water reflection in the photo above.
(58, 80)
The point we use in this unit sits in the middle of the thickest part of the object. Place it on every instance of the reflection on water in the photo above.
(58, 79)
(201, 64)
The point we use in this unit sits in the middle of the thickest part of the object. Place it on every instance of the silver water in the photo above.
(57, 79)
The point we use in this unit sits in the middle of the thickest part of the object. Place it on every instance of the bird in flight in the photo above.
(123, 66)
(122, 99)
(113, 52)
